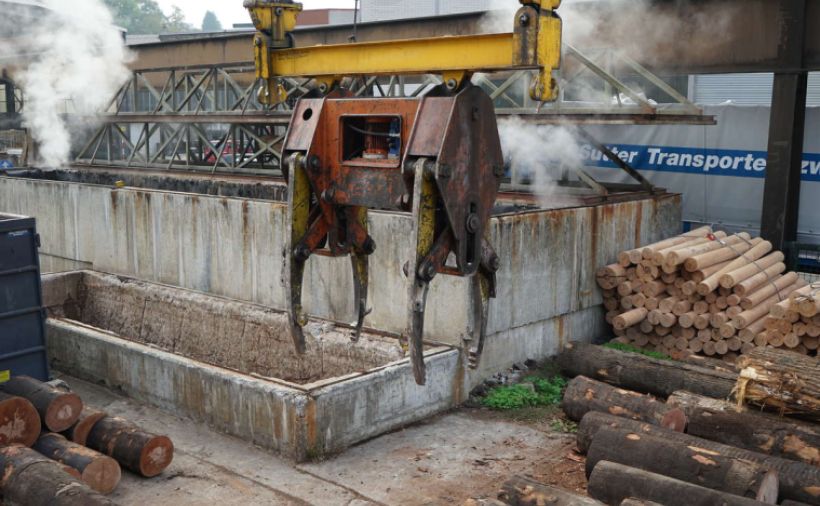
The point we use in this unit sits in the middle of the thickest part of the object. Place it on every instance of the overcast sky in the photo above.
(231, 11)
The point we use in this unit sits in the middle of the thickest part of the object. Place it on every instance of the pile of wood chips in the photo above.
(709, 293)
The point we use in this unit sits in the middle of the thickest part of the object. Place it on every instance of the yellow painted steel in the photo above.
(454, 57)
(403, 57)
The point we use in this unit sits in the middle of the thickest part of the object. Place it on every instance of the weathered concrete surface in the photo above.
(233, 247)
(348, 393)
(241, 336)
(444, 460)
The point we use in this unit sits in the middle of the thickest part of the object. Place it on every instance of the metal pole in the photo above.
(781, 196)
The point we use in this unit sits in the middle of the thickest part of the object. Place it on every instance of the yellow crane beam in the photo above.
(534, 44)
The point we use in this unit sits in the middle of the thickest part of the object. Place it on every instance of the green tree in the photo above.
(175, 22)
(146, 17)
(211, 23)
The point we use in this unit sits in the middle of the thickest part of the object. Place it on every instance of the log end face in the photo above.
(674, 419)
(19, 422)
(156, 455)
(63, 412)
(103, 474)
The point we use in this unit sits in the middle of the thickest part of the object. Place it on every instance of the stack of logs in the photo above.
(56, 451)
(795, 321)
(704, 292)
(689, 449)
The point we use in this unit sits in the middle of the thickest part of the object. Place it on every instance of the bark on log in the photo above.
(584, 395)
(688, 402)
(781, 379)
(31, 479)
(520, 491)
(798, 481)
(19, 421)
(638, 502)
(78, 432)
(643, 374)
(98, 471)
(757, 432)
(58, 409)
(612, 483)
(136, 450)
(687, 463)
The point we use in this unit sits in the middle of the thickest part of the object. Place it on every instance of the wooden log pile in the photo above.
(782, 380)
(793, 322)
(76, 465)
(727, 454)
(706, 293)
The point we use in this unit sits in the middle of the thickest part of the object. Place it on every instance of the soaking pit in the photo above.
(232, 364)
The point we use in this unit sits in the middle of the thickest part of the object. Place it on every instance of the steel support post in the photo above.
(781, 196)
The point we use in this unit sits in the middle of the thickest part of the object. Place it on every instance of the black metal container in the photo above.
(22, 325)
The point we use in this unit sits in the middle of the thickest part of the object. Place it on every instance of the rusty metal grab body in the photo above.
(437, 156)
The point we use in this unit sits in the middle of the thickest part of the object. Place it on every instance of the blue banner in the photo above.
(718, 162)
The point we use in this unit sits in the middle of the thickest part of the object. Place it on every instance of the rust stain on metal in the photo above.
(638, 223)
(310, 426)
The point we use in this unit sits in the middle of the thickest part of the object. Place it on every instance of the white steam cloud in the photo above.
(538, 154)
(78, 62)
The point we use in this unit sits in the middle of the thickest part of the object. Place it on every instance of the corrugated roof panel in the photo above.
(745, 89)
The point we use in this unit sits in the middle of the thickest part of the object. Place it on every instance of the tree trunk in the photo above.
(19, 421)
(78, 432)
(584, 395)
(612, 483)
(757, 432)
(643, 374)
(137, 451)
(781, 379)
(30, 479)
(100, 472)
(691, 464)
(520, 491)
(798, 481)
(58, 409)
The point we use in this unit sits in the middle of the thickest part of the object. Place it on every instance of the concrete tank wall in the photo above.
(233, 247)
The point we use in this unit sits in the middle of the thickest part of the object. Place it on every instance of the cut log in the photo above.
(98, 471)
(643, 374)
(520, 491)
(749, 316)
(691, 464)
(731, 279)
(638, 502)
(138, 451)
(58, 409)
(798, 481)
(584, 395)
(680, 255)
(629, 318)
(31, 479)
(78, 432)
(688, 402)
(780, 379)
(611, 483)
(725, 254)
(19, 421)
(768, 289)
(711, 283)
(757, 432)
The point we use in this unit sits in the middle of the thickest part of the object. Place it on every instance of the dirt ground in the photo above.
(448, 459)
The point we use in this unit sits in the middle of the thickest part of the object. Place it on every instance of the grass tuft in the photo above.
(547, 393)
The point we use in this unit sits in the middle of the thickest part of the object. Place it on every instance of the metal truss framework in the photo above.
(209, 118)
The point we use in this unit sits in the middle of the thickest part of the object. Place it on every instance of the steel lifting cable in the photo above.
(743, 255)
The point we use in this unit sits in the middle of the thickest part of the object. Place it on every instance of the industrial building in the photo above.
(300, 254)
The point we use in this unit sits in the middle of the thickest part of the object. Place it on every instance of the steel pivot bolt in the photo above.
(473, 223)
(452, 84)
(369, 246)
(314, 162)
(494, 263)
(524, 19)
(328, 194)
(301, 253)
